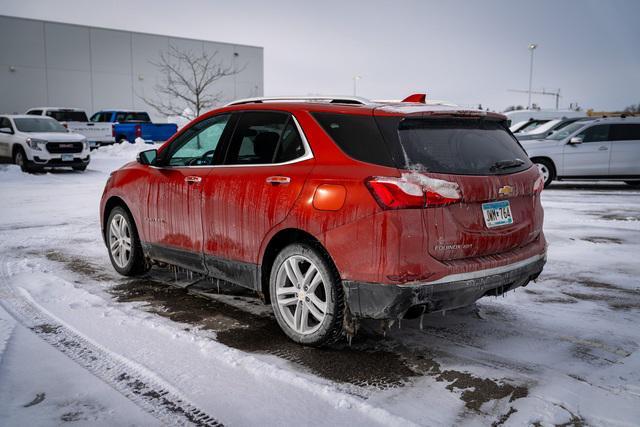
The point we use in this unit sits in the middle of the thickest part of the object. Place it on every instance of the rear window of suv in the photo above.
(460, 146)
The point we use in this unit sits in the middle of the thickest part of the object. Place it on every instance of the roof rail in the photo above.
(328, 99)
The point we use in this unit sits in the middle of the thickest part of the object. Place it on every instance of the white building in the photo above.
(64, 65)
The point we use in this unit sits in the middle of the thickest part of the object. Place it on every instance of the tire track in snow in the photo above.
(148, 393)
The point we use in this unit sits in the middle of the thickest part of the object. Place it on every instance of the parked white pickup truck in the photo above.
(76, 121)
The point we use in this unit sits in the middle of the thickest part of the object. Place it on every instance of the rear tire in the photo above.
(547, 170)
(306, 295)
(633, 183)
(120, 139)
(123, 243)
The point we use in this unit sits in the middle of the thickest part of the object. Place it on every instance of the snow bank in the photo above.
(123, 150)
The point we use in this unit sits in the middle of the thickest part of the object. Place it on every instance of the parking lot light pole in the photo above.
(532, 47)
(355, 84)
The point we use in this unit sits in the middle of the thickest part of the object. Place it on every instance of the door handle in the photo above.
(278, 180)
(193, 179)
(603, 148)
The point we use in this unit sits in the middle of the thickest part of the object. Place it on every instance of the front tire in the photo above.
(547, 170)
(20, 159)
(306, 295)
(123, 243)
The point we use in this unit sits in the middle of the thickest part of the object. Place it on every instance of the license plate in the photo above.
(497, 213)
(67, 157)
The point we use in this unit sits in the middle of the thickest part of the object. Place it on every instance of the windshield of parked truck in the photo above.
(566, 131)
(35, 124)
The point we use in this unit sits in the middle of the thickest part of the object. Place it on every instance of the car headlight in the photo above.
(36, 144)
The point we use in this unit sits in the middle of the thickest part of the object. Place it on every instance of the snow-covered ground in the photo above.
(80, 344)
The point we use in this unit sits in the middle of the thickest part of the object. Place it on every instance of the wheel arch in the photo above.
(109, 205)
(278, 242)
(548, 159)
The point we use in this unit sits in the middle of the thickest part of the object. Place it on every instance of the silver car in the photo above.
(599, 149)
(544, 130)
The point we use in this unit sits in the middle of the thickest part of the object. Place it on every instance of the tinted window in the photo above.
(68, 116)
(38, 125)
(625, 132)
(101, 117)
(5, 123)
(460, 146)
(290, 147)
(123, 117)
(197, 146)
(595, 133)
(358, 136)
(35, 113)
(264, 138)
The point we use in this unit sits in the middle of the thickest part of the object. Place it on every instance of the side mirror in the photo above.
(6, 130)
(575, 140)
(147, 157)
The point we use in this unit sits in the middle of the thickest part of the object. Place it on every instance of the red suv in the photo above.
(335, 209)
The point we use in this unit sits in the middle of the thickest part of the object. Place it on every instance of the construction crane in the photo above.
(542, 92)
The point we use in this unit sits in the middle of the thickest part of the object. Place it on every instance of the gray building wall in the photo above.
(48, 64)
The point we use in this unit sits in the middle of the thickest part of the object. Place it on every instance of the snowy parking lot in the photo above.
(78, 343)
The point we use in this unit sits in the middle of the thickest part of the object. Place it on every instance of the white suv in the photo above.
(41, 142)
(600, 149)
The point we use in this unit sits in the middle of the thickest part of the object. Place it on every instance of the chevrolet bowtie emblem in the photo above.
(506, 190)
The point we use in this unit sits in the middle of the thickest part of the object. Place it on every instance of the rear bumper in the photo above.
(383, 301)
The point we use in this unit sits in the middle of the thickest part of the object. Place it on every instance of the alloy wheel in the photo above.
(120, 240)
(544, 170)
(301, 293)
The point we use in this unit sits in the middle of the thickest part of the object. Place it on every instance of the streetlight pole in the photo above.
(532, 47)
(355, 84)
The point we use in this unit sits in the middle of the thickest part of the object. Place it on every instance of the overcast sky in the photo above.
(467, 52)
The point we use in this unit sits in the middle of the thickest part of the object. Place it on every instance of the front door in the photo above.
(174, 209)
(266, 165)
(591, 157)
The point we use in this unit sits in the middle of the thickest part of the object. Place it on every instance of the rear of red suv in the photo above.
(459, 214)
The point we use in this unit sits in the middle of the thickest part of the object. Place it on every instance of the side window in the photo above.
(197, 146)
(291, 146)
(597, 133)
(120, 117)
(35, 112)
(625, 132)
(5, 123)
(264, 137)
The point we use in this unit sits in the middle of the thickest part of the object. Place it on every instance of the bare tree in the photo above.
(187, 82)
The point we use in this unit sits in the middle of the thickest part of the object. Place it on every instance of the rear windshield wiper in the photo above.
(506, 164)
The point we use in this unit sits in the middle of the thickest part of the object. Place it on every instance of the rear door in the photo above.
(266, 164)
(591, 157)
(625, 149)
(173, 216)
(494, 176)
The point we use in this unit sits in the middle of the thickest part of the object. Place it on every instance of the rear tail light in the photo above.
(412, 191)
(538, 185)
(113, 131)
(138, 131)
(66, 126)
